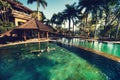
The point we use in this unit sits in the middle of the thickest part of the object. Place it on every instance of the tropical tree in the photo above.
(101, 10)
(57, 19)
(42, 2)
(71, 14)
(4, 10)
(90, 7)
(117, 30)
(111, 14)
(47, 22)
(5, 13)
(53, 18)
(6, 26)
(118, 23)
(41, 15)
(60, 18)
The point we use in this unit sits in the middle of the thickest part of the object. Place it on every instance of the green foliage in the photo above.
(39, 2)
(6, 26)
(41, 15)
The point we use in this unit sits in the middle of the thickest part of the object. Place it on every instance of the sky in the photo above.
(54, 6)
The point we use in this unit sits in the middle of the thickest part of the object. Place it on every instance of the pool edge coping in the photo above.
(24, 42)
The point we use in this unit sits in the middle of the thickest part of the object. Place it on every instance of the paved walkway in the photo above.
(112, 42)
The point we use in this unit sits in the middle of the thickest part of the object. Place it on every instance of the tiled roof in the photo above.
(20, 6)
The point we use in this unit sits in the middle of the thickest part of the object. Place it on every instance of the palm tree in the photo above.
(88, 7)
(118, 22)
(41, 16)
(71, 14)
(53, 19)
(111, 10)
(57, 18)
(47, 22)
(42, 2)
(117, 29)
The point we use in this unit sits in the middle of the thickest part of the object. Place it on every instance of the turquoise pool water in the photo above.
(18, 63)
(110, 48)
(64, 63)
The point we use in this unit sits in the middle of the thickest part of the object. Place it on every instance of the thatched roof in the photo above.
(34, 25)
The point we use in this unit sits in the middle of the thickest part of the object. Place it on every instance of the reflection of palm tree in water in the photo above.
(39, 45)
(69, 41)
(48, 49)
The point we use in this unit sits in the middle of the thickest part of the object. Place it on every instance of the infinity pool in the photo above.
(64, 63)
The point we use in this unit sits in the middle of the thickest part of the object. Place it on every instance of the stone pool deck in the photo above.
(27, 41)
(117, 42)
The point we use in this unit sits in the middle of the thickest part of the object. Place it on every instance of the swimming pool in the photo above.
(64, 63)
(110, 48)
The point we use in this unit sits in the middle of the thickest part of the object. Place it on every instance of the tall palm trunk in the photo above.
(64, 24)
(38, 6)
(95, 33)
(86, 19)
(4, 15)
(73, 26)
(117, 29)
(69, 24)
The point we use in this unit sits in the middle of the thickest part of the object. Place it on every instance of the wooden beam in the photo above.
(24, 35)
(47, 34)
(11, 35)
(38, 35)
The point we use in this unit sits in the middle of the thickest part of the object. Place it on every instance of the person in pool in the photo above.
(39, 52)
(48, 49)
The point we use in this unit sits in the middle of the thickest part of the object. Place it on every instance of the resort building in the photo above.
(31, 29)
(26, 26)
(20, 13)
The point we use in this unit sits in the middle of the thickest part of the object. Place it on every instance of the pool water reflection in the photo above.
(110, 48)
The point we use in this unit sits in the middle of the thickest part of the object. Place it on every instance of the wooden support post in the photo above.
(24, 35)
(10, 34)
(47, 34)
(38, 35)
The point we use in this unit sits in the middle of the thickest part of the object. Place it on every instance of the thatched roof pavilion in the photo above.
(30, 29)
